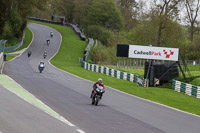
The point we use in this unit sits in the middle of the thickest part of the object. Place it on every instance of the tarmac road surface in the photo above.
(68, 95)
(18, 116)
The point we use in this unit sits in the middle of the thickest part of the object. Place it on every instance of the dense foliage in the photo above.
(156, 22)
(13, 16)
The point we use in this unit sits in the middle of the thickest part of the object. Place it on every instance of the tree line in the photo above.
(169, 23)
(13, 16)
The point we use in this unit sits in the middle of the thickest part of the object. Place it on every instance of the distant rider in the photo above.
(41, 64)
(48, 41)
(100, 83)
(45, 54)
(29, 53)
(51, 33)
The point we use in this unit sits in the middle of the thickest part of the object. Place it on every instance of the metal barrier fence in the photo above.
(1, 60)
(73, 26)
(46, 20)
(185, 88)
(115, 73)
(78, 31)
(12, 48)
(193, 65)
(87, 49)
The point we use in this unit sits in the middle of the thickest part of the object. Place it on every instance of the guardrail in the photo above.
(73, 26)
(87, 49)
(12, 48)
(78, 31)
(115, 73)
(1, 60)
(46, 20)
(185, 88)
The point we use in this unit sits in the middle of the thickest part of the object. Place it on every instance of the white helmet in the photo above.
(99, 80)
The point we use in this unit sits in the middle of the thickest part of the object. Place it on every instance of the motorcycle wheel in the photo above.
(96, 101)
(93, 101)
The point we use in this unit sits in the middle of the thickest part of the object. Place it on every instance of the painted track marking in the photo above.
(80, 131)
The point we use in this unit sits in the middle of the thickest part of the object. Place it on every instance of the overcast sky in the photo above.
(183, 12)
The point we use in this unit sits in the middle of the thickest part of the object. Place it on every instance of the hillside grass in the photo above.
(28, 38)
(67, 59)
(9, 57)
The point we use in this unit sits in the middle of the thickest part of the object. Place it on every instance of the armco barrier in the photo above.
(1, 60)
(185, 88)
(87, 49)
(12, 48)
(78, 31)
(114, 73)
(73, 26)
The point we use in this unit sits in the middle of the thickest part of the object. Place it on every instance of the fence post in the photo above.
(143, 64)
(199, 64)
(137, 64)
(124, 63)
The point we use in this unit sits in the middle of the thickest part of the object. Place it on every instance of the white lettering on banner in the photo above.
(156, 53)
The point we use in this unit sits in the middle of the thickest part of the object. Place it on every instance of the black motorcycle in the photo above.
(48, 42)
(96, 95)
(29, 53)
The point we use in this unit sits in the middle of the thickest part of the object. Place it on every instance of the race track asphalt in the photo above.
(68, 95)
(18, 116)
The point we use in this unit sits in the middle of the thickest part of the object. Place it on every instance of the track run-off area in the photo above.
(68, 96)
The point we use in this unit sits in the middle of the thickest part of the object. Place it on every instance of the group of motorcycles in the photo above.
(96, 93)
(41, 64)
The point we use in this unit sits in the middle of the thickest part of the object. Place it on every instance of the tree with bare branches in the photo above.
(192, 8)
(165, 10)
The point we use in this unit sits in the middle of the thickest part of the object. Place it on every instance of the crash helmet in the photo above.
(100, 81)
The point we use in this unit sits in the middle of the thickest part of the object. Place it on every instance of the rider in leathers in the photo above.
(100, 83)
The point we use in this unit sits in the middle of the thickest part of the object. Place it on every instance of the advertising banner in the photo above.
(155, 53)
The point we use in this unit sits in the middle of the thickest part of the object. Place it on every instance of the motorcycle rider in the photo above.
(29, 53)
(48, 41)
(51, 33)
(45, 54)
(100, 83)
(41, 66)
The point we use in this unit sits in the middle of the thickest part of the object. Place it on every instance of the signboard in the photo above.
(148, 52)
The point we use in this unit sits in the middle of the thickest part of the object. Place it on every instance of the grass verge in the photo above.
(67, 60)
(9, 57)
(28, 38)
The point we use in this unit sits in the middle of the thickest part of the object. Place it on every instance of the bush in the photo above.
(7, 32)
(15, 22)
(100, 33)
(105, 13)
(103, 55)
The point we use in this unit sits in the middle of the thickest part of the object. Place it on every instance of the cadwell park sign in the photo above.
(147, 52)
